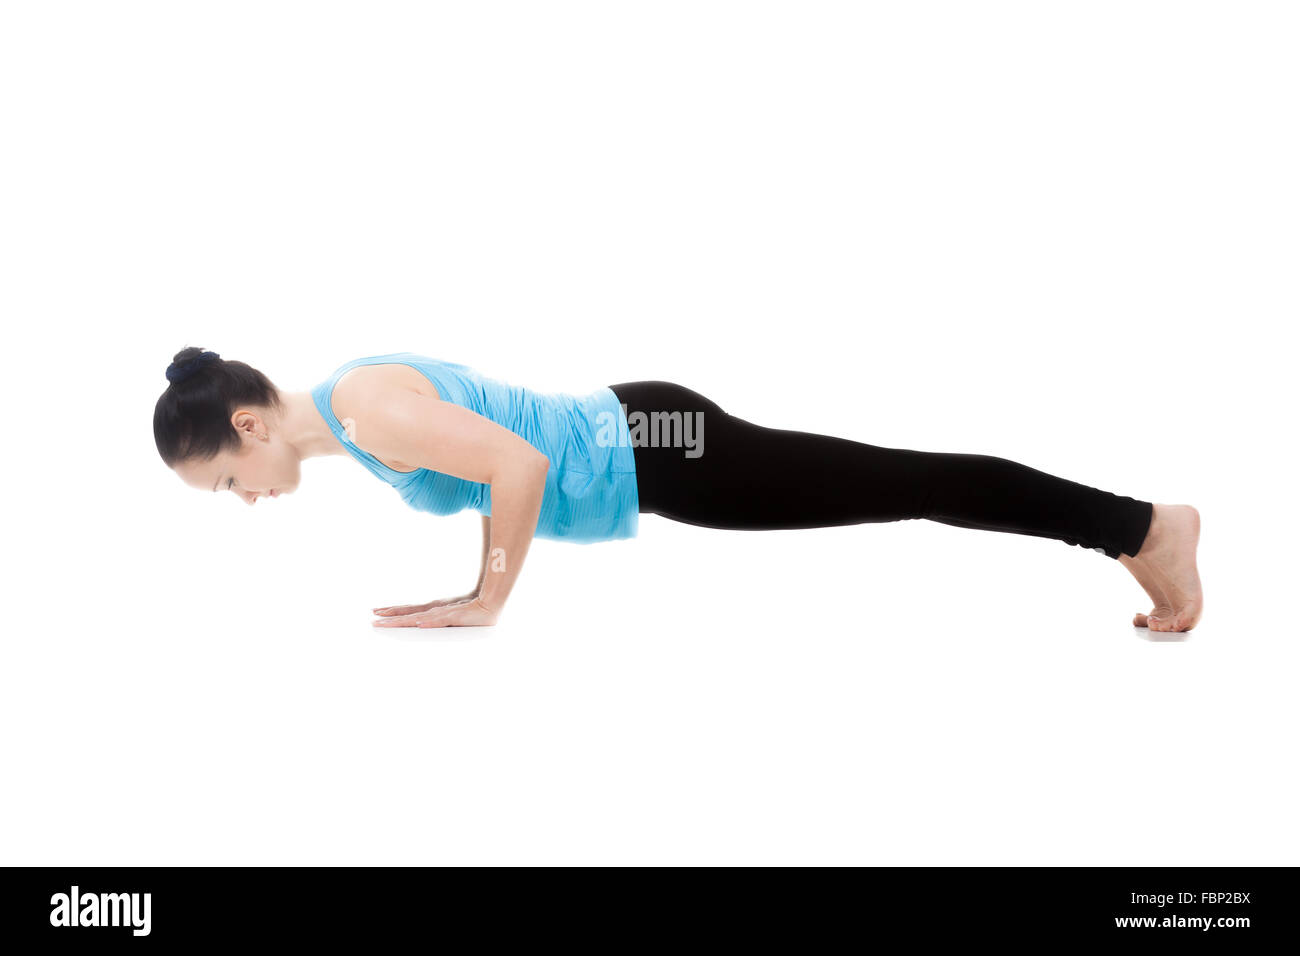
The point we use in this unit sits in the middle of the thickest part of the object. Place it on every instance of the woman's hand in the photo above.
(402, 609)
(470, 614)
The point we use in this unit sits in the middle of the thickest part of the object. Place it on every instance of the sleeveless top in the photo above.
(591, 492)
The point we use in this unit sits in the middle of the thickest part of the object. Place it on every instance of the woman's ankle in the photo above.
(1155, 531)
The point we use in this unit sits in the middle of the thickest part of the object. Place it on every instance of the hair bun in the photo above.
(180, 371)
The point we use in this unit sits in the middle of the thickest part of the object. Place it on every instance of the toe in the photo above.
(1139, 620)
(1161, 618)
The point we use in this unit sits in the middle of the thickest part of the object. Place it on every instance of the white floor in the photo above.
(694, 696)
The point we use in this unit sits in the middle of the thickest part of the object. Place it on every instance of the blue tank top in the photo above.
(591, 492)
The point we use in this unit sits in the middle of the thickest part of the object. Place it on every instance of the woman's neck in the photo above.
(302, 427)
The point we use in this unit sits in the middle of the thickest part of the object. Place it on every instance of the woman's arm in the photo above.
(487, 542)
(403, 426)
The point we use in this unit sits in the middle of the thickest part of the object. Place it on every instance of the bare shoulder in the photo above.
(365, 384)
(367, 387)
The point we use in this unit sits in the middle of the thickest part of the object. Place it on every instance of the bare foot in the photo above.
(1166, 568)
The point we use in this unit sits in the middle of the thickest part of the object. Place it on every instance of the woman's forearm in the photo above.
(487, 543)
(516, 504)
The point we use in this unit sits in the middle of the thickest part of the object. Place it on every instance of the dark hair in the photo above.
(192, 417)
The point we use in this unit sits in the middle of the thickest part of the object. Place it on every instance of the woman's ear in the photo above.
(249, 422)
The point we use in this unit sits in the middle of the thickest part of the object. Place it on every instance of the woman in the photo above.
(583, 467)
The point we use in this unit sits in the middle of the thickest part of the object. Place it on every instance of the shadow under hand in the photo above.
(436, 634)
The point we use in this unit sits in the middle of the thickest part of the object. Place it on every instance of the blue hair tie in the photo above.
(179, 373)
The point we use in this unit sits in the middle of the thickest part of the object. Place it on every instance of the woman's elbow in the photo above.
(530, 466)
(540, 463)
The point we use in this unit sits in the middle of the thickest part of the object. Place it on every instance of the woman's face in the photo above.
(264, 466)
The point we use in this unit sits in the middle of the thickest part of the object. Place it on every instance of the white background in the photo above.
(1059, 233)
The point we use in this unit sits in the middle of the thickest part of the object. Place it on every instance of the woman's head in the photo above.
(216, 426)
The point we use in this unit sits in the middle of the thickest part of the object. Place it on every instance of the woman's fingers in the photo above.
(413, 619)
(452, 615)
(399, 609)
(396, 620)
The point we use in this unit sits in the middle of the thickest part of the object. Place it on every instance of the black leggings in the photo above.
(706, 467)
